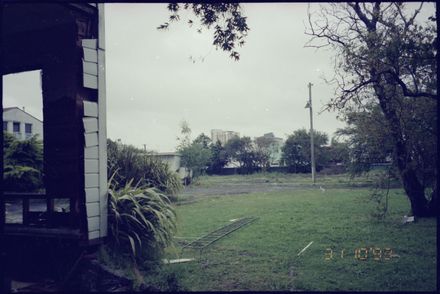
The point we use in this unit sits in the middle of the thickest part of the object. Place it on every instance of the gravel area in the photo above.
(240, 188)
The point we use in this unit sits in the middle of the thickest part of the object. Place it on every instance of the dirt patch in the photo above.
(240, 188)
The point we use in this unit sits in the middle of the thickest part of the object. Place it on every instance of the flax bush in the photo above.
(141, 221)
(127, 162)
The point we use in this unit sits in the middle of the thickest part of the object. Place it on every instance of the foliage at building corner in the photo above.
(23, 164)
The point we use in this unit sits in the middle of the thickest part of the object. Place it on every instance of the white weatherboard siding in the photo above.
(92, 209)
(90, 55)
(91, 166)
(94, 235)
(91, 139)
(93, 223)
(95, 134)
(90, 68)
(91, 152)
(92, 195)
(90, 109)
(91, 181)
(90, 81)
(90, 124)
(89, 43)
(102, 122)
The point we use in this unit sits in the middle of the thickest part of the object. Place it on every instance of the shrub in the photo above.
(18, 178)
(127, 162)
(196, 158)
(141, 221)
(23, 164)
(25, 153)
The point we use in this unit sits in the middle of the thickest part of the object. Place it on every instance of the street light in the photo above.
(312, 149)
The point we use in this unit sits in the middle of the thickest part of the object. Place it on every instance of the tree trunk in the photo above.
(433, 209)
(415, 192)
(411, 184)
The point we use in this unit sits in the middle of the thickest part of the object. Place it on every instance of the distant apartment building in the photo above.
(222, 136)
(21, 124)
(274, 145)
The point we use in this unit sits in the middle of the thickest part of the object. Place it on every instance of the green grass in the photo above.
(263, 255)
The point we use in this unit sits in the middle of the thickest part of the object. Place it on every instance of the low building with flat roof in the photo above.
(173, 159)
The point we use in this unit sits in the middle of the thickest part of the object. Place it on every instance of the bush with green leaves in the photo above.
(141, 221)
(23, 164)
(21, 179)
(127, 163)
(296, 151)
(195, 155)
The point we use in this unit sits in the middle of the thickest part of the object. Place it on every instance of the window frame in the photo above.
(15, 123)
(26, 125)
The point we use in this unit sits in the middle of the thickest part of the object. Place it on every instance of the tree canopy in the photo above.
(296, 151)
(384, 56)
(23, 160)
(219, 157)
(196, 154)
(230, 27)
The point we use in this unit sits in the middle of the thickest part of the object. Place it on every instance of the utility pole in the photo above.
(312, 149)
(145, 147)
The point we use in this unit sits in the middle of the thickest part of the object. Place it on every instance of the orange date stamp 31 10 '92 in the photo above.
(377, 253)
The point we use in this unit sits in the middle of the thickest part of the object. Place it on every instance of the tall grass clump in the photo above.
(141, 220)
(127, 163)
(141, 224)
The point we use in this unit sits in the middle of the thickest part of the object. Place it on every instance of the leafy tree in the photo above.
(381, 53)
(264, 146)
(196, 155)
(8, 139)
(204, 140)
(25, 153)
(235, 147)
(296, 151)
(19, 178)
(243, 151)
(185, 138)
(337, 152)
(368, 139)
(384, 54)
(230, 27)
(23, 160)
(219, 157)
(292, 156)
(371, 142)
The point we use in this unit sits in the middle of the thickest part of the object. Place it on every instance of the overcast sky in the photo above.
(152, 84)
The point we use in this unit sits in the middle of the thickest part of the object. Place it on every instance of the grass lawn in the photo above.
(263, 255)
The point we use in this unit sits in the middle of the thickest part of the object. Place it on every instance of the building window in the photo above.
(16, 127)
(28, 128)
(5, 126)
